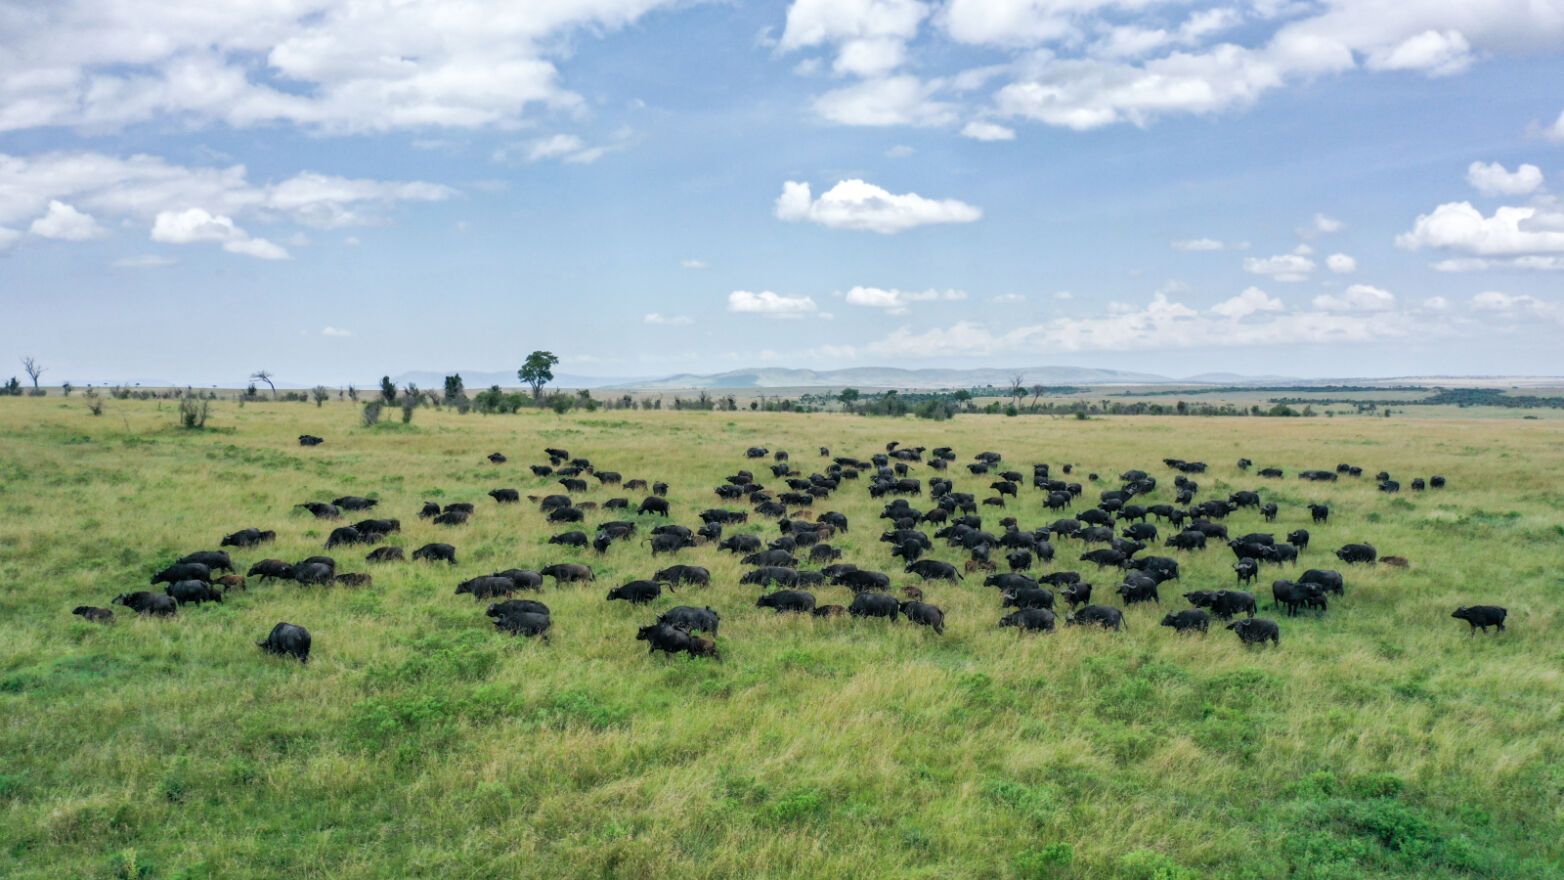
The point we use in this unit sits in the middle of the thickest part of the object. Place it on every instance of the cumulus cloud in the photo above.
(65, 223)
(1341, 264)
(559, 147)
(854, 204)
(668, 320)
(1325, 225)
(1282, 267)
(1493, 179)
(65, 194)
(1555, 132)
(895, 302)
(348, 66)
(1357, 298)
(771, 305)
(987, 131)
(1511, 231)
(1518, 306)
(889, 100)
(1251, 301)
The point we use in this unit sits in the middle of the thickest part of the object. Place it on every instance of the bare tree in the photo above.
(1037, 395)
(265, 376)
(1018, 388)
(33, 368)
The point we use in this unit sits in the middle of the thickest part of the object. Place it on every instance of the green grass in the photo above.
(1380, 741)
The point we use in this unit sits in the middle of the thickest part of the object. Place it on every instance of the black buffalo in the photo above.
(1185, 621)
(691, 619)
(867, 604)
(436, 553)
(143, 602)
(787, 600)
(1482, 616)
(1256, 631)
(1097, 615)
(288, 639)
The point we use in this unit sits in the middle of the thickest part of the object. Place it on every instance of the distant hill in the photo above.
(892, 377)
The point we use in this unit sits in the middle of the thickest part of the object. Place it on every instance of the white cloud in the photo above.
(1492, 179)
(854, 204)
(1282, 267)
(1341, 264)
(1196, 245)
(1252, 301)
(1555, 132)
(197, 226)
(329, 65)
(870, 35)
(1518, 306)
(335, 331)
(65, 223)
(1437, 53)
(8, 238)
(1357, 298)
(667, 320)
(145, 261)
(563, 147)
(138, 190)
(890, 100)
(1325, 225)
(987, 131)
(693, 264)
(900, 151)
(1005, 299)
(771, 305)
(1511, 231)
(1436, 303)
(895, 302)
(1063, 295)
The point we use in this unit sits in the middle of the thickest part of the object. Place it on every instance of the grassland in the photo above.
(1379, 741)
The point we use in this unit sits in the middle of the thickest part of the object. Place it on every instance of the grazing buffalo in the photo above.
(267, 569)
(349, 535)
(231, 581)
(524, 579)
(505, 496)
(193, 592)
(771, 574)
(1139, 590)
(924, 614)
(457, 518)
(523, 623)
(541, 470)
(1227, 603)
(96, 615)
(765, 557)
(1077, 594)
(322, 510)
(1186, 621)
(684, 574)
(858, 580)
(248, 538)
(430, 510)
(638, 592)
(934, 570)
(143, 602)
(672, 640)
(183, 571)
(310, 440)
(354, 502)
(653, 505)
(568, 573)
(436, 553)
(385, 554)
(1329, 581)
(1104, 558)
(1292, 596)
(1097, 615)
(1030, 620)
(497, 458)
(691, 619)
(572, 484)
(795, 601)
(216, 560)
(869, 604)
(1027, 597)
(517, 606)
(1256, 631)
(569, 539)
(353, 579)
(313, 571)
(1482, 616)
(486, 587)
(830, 611)
(288, 639)
(1353, 553)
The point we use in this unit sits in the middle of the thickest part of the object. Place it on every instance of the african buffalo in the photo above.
(1097, 615)
(1185, 621)
(1482, 616)
(1256, 631)
(436, 553)
(286, 638)
(787, 600)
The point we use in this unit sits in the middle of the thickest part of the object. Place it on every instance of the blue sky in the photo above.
(333, 190)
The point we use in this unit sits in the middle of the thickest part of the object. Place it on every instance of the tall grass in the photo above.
(1378, 741)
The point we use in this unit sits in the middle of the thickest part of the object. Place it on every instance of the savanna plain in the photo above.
(1378, 740)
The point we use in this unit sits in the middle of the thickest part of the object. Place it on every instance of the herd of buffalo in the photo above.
(1112, 537)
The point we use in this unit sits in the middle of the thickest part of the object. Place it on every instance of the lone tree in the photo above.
(848, 397)
(265, 376)
(1018, 388)
(454, 388)
(33, 368)
(538, 371)
(321, 394)
(387, 390)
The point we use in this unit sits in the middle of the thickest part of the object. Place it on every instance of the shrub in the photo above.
(193, 411)
(372, 413)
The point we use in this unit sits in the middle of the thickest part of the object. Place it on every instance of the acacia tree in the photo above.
(1037, 395)
(321, 394)
(387, 390)
(265, 376)
(848, 397)
(33, 368)
(538, 371)
(1018, 388)
(454, 389)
